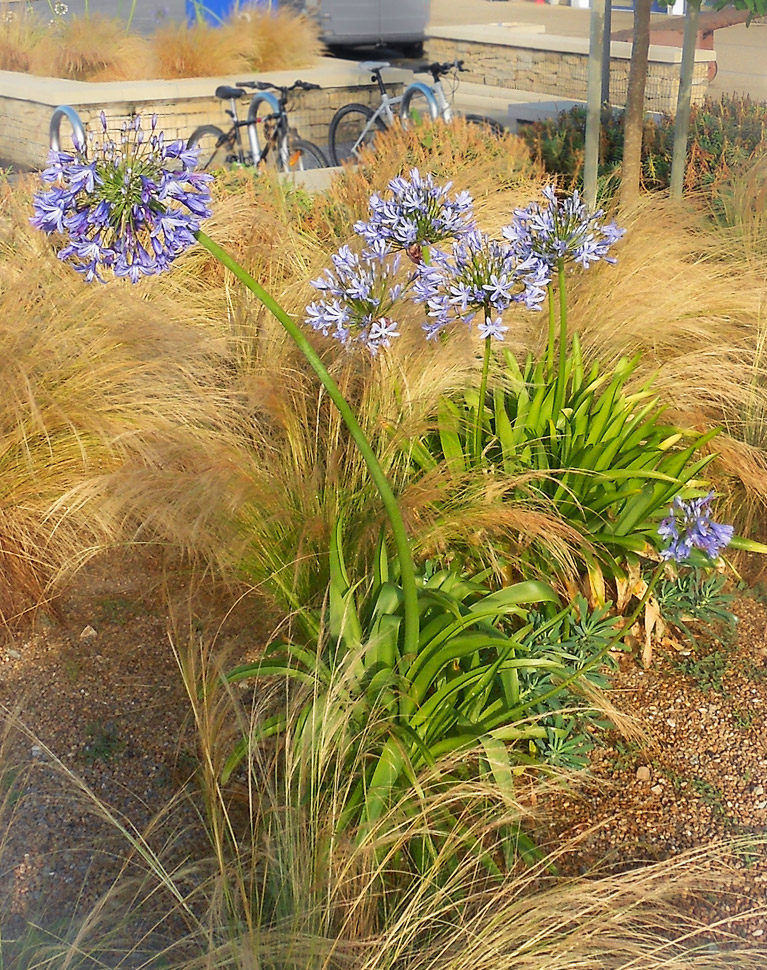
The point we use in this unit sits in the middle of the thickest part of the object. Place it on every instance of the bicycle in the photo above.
(355, 126)
(225, 148)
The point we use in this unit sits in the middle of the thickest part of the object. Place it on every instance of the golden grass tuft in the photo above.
(96, 48)
(275, 40)
(91, 49)
(199, 50)
(740, 206)
(94, 385)
(19, 36)
(496, 171)
(253, 40)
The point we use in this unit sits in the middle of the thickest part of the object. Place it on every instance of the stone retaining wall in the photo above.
(27, 103)
(510, 57)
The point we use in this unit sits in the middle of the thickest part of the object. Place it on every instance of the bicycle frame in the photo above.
(444, 106)
(276, 114)
(276, 109)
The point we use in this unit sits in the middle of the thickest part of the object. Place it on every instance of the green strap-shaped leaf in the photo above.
(505, 433)
(500, 766)
(388, 769)
(345, 623)
(450, 428)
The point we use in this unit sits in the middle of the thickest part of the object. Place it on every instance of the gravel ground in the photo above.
(98, 687)
(698, 775)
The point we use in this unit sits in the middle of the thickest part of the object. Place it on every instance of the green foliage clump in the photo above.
(724, 135)
(602, 457)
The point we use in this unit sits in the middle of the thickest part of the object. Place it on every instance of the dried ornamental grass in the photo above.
(91, 48)
(274, 40)
(93, 385)
(199, 50)
(19, 36)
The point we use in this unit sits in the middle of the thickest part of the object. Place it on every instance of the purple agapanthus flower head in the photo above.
(562, 229)
(481, 277)
(126, 208)
(689, 526)
(418, 213)
(359, 294)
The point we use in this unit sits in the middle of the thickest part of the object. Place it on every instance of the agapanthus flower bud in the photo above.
(359, 295)
(562, 229)
(130, 210)
(689, 526)
(419, 213)
(478, 276)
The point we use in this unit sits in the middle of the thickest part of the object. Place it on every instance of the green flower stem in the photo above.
(552, 333)
(598, 657)
(559, 396)
(481, 402)
(407, 569)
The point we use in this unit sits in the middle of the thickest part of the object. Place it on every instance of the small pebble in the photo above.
(643, 773)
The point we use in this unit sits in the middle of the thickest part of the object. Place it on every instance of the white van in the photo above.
(349, 23)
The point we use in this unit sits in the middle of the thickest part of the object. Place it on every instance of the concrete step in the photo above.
(509, 106)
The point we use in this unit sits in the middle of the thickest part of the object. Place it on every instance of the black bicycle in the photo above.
(270, 139)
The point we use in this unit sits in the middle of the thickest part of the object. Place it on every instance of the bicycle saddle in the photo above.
(225, 93)
(373, 65)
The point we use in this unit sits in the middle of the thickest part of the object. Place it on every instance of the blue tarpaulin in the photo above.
(217, 11)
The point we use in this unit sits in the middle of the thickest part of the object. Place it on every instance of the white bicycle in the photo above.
(355, 126)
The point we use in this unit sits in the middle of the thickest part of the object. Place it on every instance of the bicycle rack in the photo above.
(418, 87)
(262, 97)
(78, 131)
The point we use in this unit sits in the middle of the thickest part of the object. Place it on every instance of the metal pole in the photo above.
(594, 102)
(606, 61)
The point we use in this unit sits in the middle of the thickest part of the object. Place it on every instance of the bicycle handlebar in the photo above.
(437, 70)
(268, 86)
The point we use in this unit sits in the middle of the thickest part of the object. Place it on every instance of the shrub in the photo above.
(723, 136)
(604, 460)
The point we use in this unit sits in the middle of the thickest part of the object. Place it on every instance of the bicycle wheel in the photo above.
(305, 156)
(493, 127)
(351, 128)
(215, 147)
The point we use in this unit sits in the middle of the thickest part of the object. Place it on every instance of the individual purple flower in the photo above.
(689, 526)
(562, 229)
(419, 213)
(359, 295)
(478, 276)
(130, 210)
